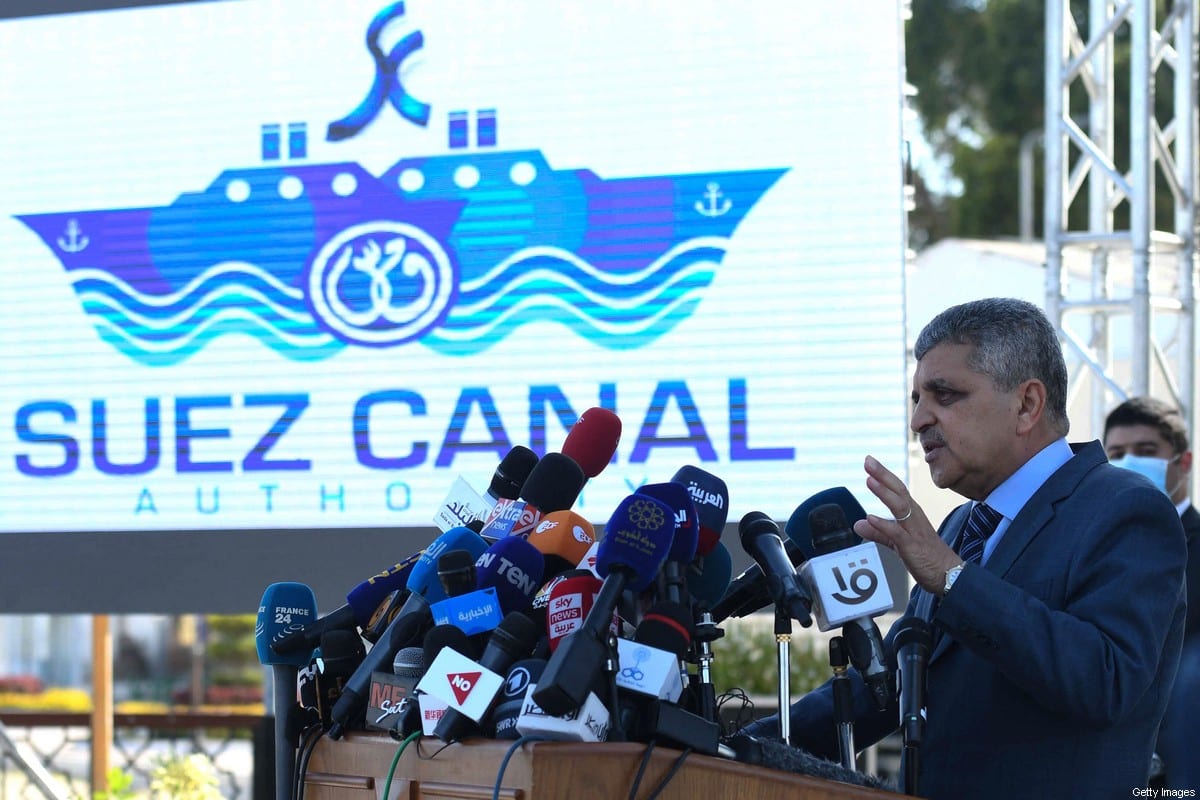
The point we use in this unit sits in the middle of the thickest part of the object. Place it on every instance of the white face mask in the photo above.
(1153, 468)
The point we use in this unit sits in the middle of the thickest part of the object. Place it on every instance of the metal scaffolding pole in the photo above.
(1139, 276)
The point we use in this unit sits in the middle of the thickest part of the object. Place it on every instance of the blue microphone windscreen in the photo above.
(424, 576)
(366, 597)
(636, 539)
(708, 576)
(710, 495)
(798, 529)
(687, 523)
(513, 567)
(285, 608)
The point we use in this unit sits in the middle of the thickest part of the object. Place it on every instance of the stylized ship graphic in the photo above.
(454, 251)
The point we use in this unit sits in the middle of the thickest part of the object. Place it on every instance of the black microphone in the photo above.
(760, 538)
(511, 473)
(748, 593)
(512, 640)
(913, 643)
(341, 653)
(412, 620)
(456, 572)
(831, 539)
(553, 484)
(446, 635)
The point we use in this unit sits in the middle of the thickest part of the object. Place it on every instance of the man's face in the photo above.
(967, 427)
(1145, 440)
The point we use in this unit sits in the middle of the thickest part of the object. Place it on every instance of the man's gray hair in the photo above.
(1013, 341)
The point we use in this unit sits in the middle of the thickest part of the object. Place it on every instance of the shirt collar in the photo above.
(1011, 496)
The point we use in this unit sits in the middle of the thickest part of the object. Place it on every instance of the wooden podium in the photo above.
(356, 768)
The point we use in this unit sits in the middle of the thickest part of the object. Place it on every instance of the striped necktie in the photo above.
(980, 525)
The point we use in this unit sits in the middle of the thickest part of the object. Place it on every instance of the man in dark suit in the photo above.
(1150, 437)
(1058, 616)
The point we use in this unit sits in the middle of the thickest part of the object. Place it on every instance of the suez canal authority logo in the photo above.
(455, 251)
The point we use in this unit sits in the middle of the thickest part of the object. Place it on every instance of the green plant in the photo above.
(120, 786)
(746, 657)
(184, 778)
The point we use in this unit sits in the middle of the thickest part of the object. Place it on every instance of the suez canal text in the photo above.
(52, 434)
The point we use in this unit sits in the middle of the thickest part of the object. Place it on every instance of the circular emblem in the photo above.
(646, 515)
(381, 283)
(518, 680)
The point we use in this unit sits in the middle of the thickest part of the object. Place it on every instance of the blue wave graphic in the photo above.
(165, 329)
(534, 285)
(554, 285)
(618, 262)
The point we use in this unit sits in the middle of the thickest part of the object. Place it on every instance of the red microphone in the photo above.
(570, 601)
(592, 440)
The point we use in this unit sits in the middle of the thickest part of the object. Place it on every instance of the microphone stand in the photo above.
(283, 690)
(843, 701)
(611, 664)
(912, 728)
(783, 640)
(706, 633)
(910, 764)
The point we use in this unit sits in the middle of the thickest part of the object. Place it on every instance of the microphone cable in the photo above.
(310, 737)
(666, 779)
(740, 715)
(671, 773)
(522, 740)
(387, 786)
(641, 772)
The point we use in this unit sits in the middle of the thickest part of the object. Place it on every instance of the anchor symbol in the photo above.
(74, 242)
(713, 194)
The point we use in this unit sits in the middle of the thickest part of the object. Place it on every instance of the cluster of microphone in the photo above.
(522, 621)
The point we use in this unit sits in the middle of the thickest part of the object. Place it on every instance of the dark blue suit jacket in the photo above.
(1191, 526)
(1052, 664)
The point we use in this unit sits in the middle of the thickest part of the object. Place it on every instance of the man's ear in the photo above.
(1031, 395)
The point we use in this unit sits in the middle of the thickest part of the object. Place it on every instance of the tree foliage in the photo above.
(979, 67)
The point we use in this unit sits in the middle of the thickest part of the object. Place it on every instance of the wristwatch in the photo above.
(951, 576)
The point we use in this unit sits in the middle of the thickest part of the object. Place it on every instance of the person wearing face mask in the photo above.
(1149, 436)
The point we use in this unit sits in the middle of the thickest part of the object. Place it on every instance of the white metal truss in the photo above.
(1140, 277)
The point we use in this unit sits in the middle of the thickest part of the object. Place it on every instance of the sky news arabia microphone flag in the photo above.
(278, 264)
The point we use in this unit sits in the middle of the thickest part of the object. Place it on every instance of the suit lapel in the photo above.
(927, 602)
(1039, 511)
(1033, 518)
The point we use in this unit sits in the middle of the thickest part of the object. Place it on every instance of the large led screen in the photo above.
(294, 264)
